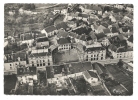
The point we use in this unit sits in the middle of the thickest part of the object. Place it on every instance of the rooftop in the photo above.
(26, 71)
(50, 28)
(43, 54)
(130, 39)
(89, 74)
(64, 40)
(62, 33)
(94, 49)
(61, 25)
(43, 39)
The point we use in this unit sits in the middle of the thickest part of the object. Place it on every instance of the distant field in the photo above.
(44, 5)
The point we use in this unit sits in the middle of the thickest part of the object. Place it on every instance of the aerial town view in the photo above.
(68, 49)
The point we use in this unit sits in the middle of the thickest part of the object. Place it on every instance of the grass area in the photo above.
(67, 56)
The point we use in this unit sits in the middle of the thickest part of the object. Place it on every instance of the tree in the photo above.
(120, 63)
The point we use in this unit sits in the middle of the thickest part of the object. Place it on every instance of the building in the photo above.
(128, 66)
(11, 61)
(120, 52)
(94, 54)
(40, 60)
(64, 44)
(130, 41)
(119, 47)
(90, 76)
(102, 38)
(62, 25)
(42, 42)
(49, 31)
(119, 6)
(62, 72)
(108, 32)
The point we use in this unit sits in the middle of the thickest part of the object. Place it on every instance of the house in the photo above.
(108, 32)
(62, 34)
(130, 41)
(90, 77)
(94, 53)
(64, 44)
(130, 9)
(62, 25)
(114, 31)
(112, 18)
(72, 70)
(93, 9)
(102, 38)
(27, 38)
(128, 66)
(119, 6)
(83, 16)
(93, 36)
(42, 42)
(120, 52)
(72, 24)
(97, 29)
(40, 60)
(49, 31)
(11, 61)
(26, 75)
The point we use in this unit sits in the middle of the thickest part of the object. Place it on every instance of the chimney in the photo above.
(18, 59)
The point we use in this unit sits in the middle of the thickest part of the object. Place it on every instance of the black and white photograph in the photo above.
(72, 49)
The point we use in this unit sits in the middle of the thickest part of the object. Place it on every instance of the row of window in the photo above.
(40, 61)
(41, 64)
(95, 55)
(94, 59)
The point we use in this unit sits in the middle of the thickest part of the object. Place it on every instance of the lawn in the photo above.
(66, 57)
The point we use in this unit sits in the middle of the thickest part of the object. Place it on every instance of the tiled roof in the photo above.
(114, 30)
(96, 8)
(15, 56)
(93, 36)
(49, 72)
(100, 36)
(113, 47)
(130, 39)
(43, 54)
(43, 39)
(83, 37)
(121, 37)
(62, 33)
(26, 70)
(50, 28)
(89, 74)
(94, 49)
(83, 15)
(107, 30)
(63, 41)
(62, 25)
(58, 69)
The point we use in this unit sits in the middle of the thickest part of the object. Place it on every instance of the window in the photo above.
(10, 64)
(40, 64)
(91, 59)
(43, 60)
(48, 63)
(101, 58)
(94, 58)
(86, 59)
(43, 64)
(11, 68)
(32, 62)
(101, 54)
(37, 65)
